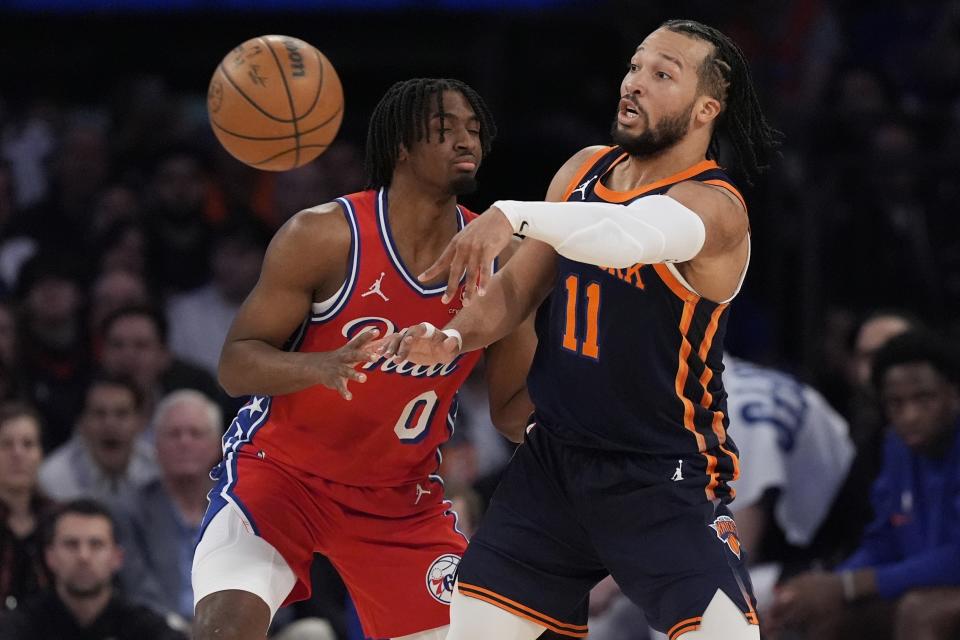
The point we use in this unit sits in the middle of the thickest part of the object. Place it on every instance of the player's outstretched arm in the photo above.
(308, 254)
(509, 297)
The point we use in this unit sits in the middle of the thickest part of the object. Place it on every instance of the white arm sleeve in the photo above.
(648, 230)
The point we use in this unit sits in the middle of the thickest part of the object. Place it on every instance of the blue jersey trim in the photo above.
(351, 279)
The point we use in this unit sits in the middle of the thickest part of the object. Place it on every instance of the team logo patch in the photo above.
(441, 576)
(726, 530)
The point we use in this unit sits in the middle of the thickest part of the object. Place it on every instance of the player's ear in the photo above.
(708, 109)
(403, 153)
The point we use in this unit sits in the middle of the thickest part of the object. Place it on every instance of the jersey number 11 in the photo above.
(588, 346)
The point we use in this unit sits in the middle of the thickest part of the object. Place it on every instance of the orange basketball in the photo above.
(275, 103)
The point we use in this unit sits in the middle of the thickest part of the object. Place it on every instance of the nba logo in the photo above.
(441, 576)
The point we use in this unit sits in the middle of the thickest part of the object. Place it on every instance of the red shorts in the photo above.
(397, 549)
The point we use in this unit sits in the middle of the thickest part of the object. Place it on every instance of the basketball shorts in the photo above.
(565, 517)
(397, 549)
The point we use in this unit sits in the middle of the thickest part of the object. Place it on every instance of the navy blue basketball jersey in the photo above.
(631, 359)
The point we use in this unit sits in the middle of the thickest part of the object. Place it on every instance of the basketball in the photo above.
(275, 102)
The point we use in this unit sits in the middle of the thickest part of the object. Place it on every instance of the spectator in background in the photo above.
(135, 346)
(53, 346)
(106, 458)
(200, 319)
(795, 452)
(903, 581)
(11, 380)
(22, 570)
(164, 515)
(84, 556)
(851, 511)
(110, 292)
(178, 233)
(122, 246)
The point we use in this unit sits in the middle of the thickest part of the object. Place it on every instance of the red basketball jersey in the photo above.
(391, 431)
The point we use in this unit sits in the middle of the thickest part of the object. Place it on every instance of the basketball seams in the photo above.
(233, 83)
(267, 138)
(316, 98)
(282, 153)
(293, 111)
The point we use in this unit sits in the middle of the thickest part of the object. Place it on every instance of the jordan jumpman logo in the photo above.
(375, 289)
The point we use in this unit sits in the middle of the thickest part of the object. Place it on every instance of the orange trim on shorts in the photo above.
(723, 184)
(582, 171)
(622, 196)
(690, 624)
(501, 602)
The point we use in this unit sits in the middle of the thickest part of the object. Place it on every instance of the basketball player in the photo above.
(626, 470)
(335, 451)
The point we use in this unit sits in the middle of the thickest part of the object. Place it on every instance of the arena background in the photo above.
(859, 213)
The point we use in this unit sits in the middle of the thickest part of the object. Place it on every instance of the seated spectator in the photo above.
(106, 458)
(84, 556)
(200, 319)
(164, 515)
(22, 571)
(53, 355)
(795, 452)
(901, 580)
(135, 346)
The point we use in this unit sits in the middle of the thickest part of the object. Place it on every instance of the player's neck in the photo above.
(635, 172)
(420, 215)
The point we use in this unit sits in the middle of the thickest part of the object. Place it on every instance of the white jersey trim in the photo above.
(686, 285)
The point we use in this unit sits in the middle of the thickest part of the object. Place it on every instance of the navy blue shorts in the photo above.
(565, 517)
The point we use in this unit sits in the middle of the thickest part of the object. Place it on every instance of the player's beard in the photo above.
(653, 141)
(463, 185)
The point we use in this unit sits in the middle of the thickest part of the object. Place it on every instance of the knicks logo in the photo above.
(726, 530)
(441, 577)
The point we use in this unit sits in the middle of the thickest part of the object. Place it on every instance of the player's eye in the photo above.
(474, 132)
(632, 68)
(663, 75)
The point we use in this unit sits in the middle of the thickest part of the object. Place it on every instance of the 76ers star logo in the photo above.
(441, 576)
(726, 530)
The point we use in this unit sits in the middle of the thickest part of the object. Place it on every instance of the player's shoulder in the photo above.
(573, 168)
(316, 234)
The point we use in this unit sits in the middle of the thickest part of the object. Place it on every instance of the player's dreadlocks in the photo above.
(403, 116)
(725, 75)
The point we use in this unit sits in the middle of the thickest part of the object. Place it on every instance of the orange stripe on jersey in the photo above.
(582, 171)
(494, 598)
(673, 284)
(690, 624)
(729, 187)
(622, 196)
(683, 369)
(707, 375)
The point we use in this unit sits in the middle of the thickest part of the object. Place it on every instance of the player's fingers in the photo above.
(451, 347)
(470, 279)
(485, 274)
(341, 386)
(453, 277)
(439, 267)
(353, 374)
(363, 338)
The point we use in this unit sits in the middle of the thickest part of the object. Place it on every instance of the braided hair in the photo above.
(403, 117)
(725, 75)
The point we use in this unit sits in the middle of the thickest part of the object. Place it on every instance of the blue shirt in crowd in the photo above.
(914, 539)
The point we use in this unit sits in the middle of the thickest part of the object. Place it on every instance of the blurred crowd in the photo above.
(129, 238)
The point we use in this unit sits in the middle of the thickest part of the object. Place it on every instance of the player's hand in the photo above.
(420, 344)
(336, 368)
(471, 252)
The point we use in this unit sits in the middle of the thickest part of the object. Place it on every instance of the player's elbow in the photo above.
(229, 375)
(510, 421)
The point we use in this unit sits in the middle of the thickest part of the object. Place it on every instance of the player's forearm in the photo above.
(649, 230)
(494, 315)
(254, 367)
